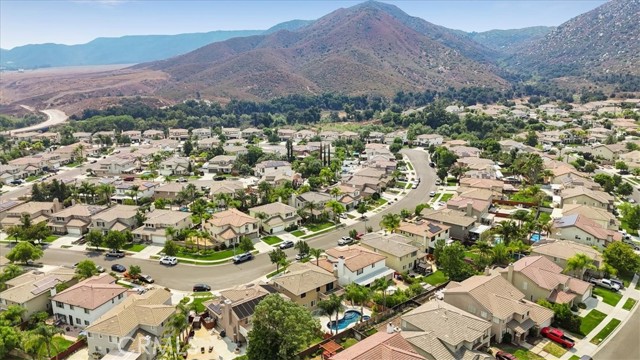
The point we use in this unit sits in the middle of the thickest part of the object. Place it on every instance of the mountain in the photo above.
(509, 41)
(290, 25)
(106, 51)
(605, 40)
(365, 49)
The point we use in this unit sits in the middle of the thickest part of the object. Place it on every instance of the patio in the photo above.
(223, 348)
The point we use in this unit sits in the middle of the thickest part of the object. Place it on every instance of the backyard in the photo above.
(436, 278)
(589, 322)
(608, 296)
(199, 299)
(58, 345)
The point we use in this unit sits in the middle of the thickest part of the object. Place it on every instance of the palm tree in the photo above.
(357, 294)
(330, 306)
(484, 249)
(390, 222)
(85, 189)
(47, 332)
(223, 198)
(133, 193)
(302, 247)
(508, 230)
(178, 323)
(316, 253)
(262, 216)
(336, 208)
(311, 206)
(31, 344)
(579, 263)
(521, 216)
(106, 191)
(382, 284)
(264, 188)
(500, 254)
(170, 232)
(335, 192)
(518, 247)
(548, 228)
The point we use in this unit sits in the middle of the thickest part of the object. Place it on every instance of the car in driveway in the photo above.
(115, 254)
(168, 260)
(146, 279)
(118, 268)
(345, 240)
(605, 283)
(238, 259)
(503, 355)
(432, 193)
(201, 287)
(286, 244)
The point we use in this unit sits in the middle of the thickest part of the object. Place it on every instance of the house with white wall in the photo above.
(355, 264)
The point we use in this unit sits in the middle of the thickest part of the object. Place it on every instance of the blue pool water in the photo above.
(349, 317)
(535, 237)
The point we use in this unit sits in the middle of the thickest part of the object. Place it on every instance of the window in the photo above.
(86, 311)
(317, 289)
(373, 265)
(329, 287)
(525, 285)
(483, 314)
(86, 323)
(359, 272)
(303, 295)
(59, 304)
(119, 296)
(472, 309)
(313, 303)
(89, 335)
(110, 338)
(71, 307)
(78, 321)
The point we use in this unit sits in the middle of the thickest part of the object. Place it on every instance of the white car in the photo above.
(168, 260)
(432, 193)
(345, 240)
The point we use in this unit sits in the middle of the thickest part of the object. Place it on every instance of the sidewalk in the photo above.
(147, 252)
(66, 242)
(584, 346)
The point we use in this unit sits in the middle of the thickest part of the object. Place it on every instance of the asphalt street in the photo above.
(183, 276)
(625, 344)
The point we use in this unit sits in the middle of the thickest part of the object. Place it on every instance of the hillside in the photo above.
(507, 42)
(605, 40)
(360, 50)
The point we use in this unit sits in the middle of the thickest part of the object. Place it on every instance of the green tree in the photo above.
(302, 247)
(171, 248)
(452, 262)
(336, 208)
(330, 306)
(134, 271)
(390, 222)
(12, 315)
(9, 340)
(578, 264)
(280, 329)
(24, 252)
(47, 333)
(605, 181)
(276, 256)
(94, 238)
(621, 257)
(86, 269)
(621, 165)
(316, 253)
(358, 294)
(532, 139)
(9, 272)
(500, 254)
(625, 189)
(115, 240)
(245, 244)
(362, 208)
(630, 215)
(529, 165)
(382, 284)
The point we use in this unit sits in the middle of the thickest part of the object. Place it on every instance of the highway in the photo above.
(54, 117)
(183, 276)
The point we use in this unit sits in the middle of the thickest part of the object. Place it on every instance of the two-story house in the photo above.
(117, 165)
(116, 218)
(84, 302)
(178, 134)
(221, 164)
(133, 190)
(539, 278)
(458, 222)
(277, 216)
(494, 299)
(429, 139)
(382, 345)
(559, 251)
(355, 264)
(152, 134)
(584, 196)
(424, 234)
(400, 254)
(230, 226)
(82, 136)
(600, 216)
(305, 284)
(581, 229)
(304, 200)
(38, 211)
(269, 167)
(158, 221)
(74, 220)
(232, 133)
(174, 166)
(134, 135)
(135, 324)
(286, 134)
(249, 133)
(202, 133)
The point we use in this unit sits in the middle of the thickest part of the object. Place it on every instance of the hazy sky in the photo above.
(79, 21)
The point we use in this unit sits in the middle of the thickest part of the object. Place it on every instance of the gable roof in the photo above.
(394, 244)
(422, 228)
(91, 293)
(547, 275)
(564, 249)
(231, 217)
(355, 257)
(274, 208)
(34, 283)
(117, 212)
(380, 346)
(587, 225)
(301, 278)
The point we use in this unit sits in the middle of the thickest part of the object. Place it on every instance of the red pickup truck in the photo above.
(557, 336)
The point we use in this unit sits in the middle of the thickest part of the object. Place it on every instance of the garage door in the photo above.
(74, 231)
(158, 239)
(276, 229)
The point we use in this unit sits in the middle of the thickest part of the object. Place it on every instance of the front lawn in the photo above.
(319, 226)
(51, 238)
(446, 197)
(554, 349)
(608, 296)
(628, 305)
(274, 273)
(605, 332)
(409, 166)
(133, 247)
(271, 240)
(589, 322)
(217, 255)
(436, 278)
(519, 352)
(401, 185)
(298, 233)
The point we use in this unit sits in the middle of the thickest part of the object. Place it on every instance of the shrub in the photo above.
(506, 338)
(292, 227)
(223, 246)
(582, 305)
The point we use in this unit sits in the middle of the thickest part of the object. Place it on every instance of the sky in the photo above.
(79, 21)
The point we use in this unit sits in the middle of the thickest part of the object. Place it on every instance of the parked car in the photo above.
(168, 260)
(146, 279)
(605, 283)
(100, 269)
(345, 240)
(432, 193)
(114, 254)
(302, 256)
(118, 268)
(342, 216)
(557, 336)
(359, 236)
(618, 282)
(503, 355)
(286, 244)
(432, 164)
(242, 258)
(201, 287)
(181, 180)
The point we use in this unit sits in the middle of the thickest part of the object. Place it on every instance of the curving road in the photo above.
(54, 117)
(624, 344)
(183, 276)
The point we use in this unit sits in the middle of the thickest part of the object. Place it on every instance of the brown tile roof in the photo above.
(355, 257)
(565, 249)
(423, 228)
(80, 210)
(274, 208)
(231, 217)
(91, 293)
(301, 278)
(380, 346)
(546, 274)
(394, 244)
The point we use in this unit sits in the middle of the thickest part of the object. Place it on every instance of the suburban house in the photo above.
(278, 216)
(133, 190)
(226, 186)
(134, 325)
(248, 133)
(609, 152)
(382, 345)
(304, 134)
(539, 278)
(221, 164)
(286, 134)
(581, 229)
(429, 139)
(600, 216)
(201, 133)
(584, 196)
(234, 309)
(232, 133)
(440, 331)
(229, 226)
(208, 143)
(305, 200)
(493, 298)
(82, 136)
(269, 167)
(178, 134)
(349, 196)
(8, 173)
(458, 222)
(400, 254)
(174, 166)
(33, 289)
(117, 165)
(559, 251)
(473, 208)
(158, 221)
(38, 212)
(117, 218)
(74, 220)
(632, 159)
(133, 135)
(153, 134)
(84, 302)
(168, 190)
(305, 284)
(424, 234)
(355, 264)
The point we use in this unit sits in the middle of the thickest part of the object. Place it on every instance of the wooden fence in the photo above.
(71, 349)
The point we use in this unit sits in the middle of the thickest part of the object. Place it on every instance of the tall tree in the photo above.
(276, 256)
(382, 284)
(621, 257)
(24, 252)
(390, 222)
(94, 238)
(86, 269)
(330, 306)
(579, 263)
(47, 333)
(452, 262)
(358, 294)
(316, 253)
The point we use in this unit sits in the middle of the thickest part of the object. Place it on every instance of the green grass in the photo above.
(51, 238)
(446, 197)
(605, 332)
(574, 357)
(271, 240)
(33, 178)
(319, 226)
(298, 233)
(58, 345)
(409, 166)
(519, 353)
(472, 255)
(554, 349)
(589, 322)
(316, 233)
(434, 197)
(401, 185)
(134, 247)
(628, 305)
(377, 203)
(218, 255)
(349, 342)
(272, 274)
(199, 298)
(436, 278)
(608, 296)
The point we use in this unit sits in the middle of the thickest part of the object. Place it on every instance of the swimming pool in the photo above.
(535, 237)
(349, 317)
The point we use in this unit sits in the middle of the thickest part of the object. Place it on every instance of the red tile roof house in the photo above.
(380, 346)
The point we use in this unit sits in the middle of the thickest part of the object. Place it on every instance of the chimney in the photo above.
(469, 208)
(510, 273)
(56, 205)
(340, 267)
(390, 328)
(73, 202)
(487, 270)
